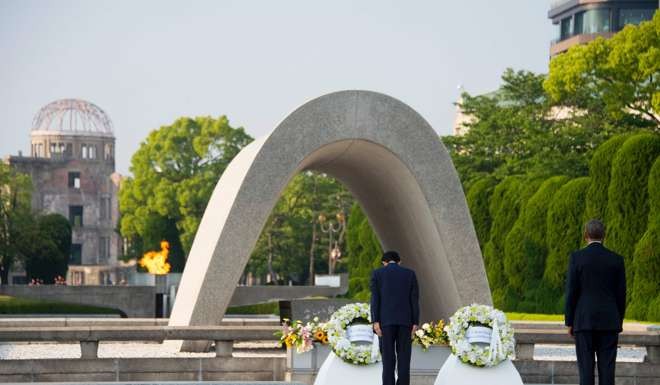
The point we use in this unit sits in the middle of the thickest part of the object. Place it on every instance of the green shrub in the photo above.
(525, 248)
(18, 305)
(600, 167)
(478, 199)
(627, 197)
(645, 297)
(564, 229)
(505, 203)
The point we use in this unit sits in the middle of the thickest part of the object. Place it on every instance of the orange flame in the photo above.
(156, 261)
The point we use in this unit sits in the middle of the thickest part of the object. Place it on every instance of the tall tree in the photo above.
(174, 173)
(645, 303)
(564, 230)
(525, 248)
(16, 221)
(50, 248)
(627, 197)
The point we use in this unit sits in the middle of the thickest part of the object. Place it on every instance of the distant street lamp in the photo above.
(331, 228)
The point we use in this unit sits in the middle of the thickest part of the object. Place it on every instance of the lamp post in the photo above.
(331, 228)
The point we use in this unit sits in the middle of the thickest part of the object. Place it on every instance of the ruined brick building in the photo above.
(72, 165)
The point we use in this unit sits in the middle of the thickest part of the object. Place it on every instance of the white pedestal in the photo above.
(454, 372)
(335, 371)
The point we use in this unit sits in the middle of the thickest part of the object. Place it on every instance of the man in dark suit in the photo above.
(395, 314)
(595, 305)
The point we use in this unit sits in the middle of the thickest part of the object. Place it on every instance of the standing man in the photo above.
(395, 314)
(595, 305)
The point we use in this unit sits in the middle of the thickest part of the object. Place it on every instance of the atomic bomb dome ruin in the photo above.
(72, 166)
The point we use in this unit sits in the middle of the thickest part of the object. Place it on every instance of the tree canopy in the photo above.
(174, 172)
(616, 78)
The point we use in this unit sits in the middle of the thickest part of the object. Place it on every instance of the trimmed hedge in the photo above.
(478, 199)
(627, 197)
(364, 253)
(564, 230)
(525, 248)
(600, 168)
(645, 297)
(508, 196)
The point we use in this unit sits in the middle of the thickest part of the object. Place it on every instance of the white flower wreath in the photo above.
(502, 343)
(353, 353)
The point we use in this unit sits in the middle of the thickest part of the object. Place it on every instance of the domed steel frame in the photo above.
(72, 116)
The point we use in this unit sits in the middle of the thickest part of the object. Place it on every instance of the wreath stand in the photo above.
(335, 371)
(454, 372)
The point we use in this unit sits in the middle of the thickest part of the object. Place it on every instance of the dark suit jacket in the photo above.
(595, 290)
(394, 296)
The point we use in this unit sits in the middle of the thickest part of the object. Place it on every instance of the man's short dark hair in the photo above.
(391, 256)
(595, 229)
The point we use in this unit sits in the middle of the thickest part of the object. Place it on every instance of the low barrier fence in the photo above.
(278, 367)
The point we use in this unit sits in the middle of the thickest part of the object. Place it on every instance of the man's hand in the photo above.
(570, 331)
(414, 329)
(377, 330)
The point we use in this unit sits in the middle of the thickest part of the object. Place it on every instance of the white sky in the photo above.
(148, 62)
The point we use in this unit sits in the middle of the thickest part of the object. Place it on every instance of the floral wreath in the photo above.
(502, 343)
(352, 353)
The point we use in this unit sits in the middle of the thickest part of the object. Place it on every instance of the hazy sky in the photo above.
(148, 62)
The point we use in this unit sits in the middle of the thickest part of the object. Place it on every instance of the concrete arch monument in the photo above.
(392, 161)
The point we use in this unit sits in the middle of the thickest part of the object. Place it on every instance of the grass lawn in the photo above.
(262, 308)
(13, 305)
(554, 318)
(535, 317)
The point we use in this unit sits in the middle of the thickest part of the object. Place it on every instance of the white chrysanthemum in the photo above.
(343, 348)
(475, 354)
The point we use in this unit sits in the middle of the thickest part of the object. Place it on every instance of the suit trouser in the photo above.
(602, 344)
(395, 348)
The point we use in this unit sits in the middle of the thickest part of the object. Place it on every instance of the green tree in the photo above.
(564, 230)
(508, 196)
(50, 249)
(16, 221)
(478, 199)
(525, 248)
(515, 130)
(292, 245)
(364, 252)
(174, 172)
(600, 168)
(627, 202)
(614, 78)
(645, 299)
(500, 127)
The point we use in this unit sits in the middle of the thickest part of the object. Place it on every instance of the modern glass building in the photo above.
(580, 21)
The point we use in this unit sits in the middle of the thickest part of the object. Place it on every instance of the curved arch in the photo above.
(392, 161)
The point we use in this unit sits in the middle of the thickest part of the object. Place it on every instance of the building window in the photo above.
(83, 151)
(76, 216)
(74, 179)
(105, 208)
(108, 151)
(593, 21)
(565, 28)
(76, 254)
(68, 150)
(634, 16)
(92, 151)
(104, 248)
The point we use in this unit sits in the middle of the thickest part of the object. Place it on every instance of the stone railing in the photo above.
(90, 336)
(527, 338)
